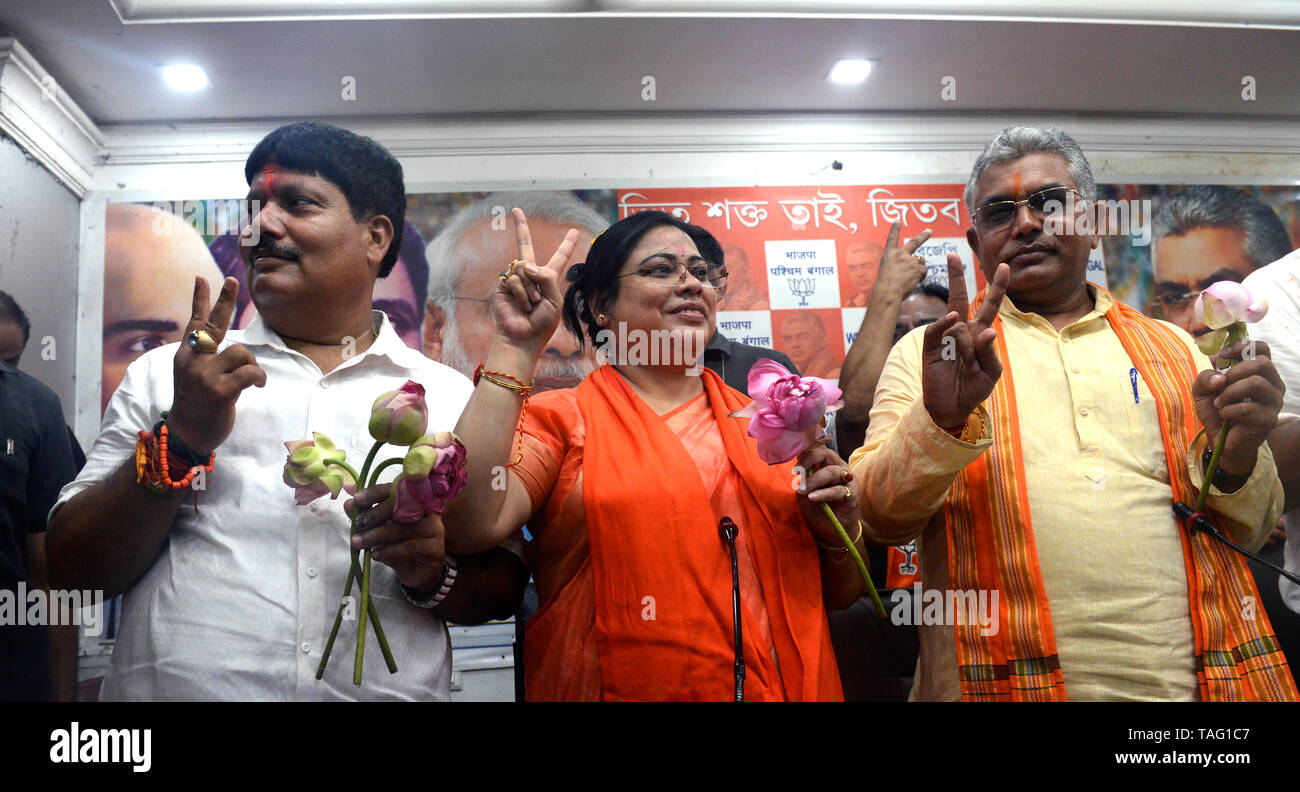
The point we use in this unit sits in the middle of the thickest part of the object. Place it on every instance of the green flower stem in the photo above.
(361, 628)
(338, 621)
(1236, 332)
(365, 578)
(857, 558)
(346, 467)
(1213, 469)
(354, 573)
(374, 449)
(374, 477)
(378, 627)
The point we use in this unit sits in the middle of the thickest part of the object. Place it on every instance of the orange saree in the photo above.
(633, 577)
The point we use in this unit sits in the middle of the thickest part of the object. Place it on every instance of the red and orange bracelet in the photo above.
(510, 383)
(152, 466)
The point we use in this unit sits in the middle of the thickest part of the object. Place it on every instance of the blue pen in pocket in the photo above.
(1133, 377)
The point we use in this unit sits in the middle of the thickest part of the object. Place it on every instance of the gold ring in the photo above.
(920, 260)
(510, 270)
(848, 493)
(845, 477)
(201, 341)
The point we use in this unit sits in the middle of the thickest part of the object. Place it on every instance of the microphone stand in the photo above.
(1196, 521)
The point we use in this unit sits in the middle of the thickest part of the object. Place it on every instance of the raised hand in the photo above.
(958, 374)
(1249, 394)
(527, 304)
(207, 384)
(901, 270)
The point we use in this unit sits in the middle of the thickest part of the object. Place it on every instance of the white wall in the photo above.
(39, 254)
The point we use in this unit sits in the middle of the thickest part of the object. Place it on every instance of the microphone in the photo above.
(727, 530)
(1196, 521)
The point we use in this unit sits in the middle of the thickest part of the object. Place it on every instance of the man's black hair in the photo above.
(367, 175)
(931, 288)
(11, 312)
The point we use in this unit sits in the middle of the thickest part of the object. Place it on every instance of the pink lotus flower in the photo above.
(307, 472)
(432, 473)
(788, 411)
(1222, 306)
(399, 417)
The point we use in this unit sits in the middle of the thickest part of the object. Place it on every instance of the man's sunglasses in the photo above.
(994, 215)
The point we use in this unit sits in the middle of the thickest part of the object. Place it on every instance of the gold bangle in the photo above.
(840, 548)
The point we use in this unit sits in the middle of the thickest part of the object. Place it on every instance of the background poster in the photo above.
(802, 260)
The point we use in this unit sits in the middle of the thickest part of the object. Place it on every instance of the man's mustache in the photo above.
(563, 369)
(279, 251)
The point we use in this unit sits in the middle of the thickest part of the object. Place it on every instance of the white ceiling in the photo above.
(595, 64)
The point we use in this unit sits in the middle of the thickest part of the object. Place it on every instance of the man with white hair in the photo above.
(1033, 443)
(465, 259)
(1207, 233)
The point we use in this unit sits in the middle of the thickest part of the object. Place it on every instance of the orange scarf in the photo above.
(662, 574)
(991, 546)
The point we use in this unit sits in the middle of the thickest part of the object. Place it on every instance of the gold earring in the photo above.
(600, 318)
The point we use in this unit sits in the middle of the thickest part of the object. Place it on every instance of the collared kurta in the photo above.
(240, 600)
(1099, 498)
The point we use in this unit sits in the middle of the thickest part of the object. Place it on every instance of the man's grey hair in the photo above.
(1019, 141)
(556, 208)
(1213, 206)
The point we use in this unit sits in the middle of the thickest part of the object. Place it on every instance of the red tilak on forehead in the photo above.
(1017, 187)
(269, 175)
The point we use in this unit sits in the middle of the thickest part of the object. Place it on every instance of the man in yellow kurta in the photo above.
(1034, 447)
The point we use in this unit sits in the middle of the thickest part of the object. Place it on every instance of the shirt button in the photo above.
(1075, 369)
(1083, 411)
(324, 384)
(311, 572)
(315, 506)
(306, 648)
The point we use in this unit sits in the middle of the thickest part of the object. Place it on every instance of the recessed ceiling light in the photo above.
(850, 71)
(185, 77)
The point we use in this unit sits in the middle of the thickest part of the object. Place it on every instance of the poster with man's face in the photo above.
(802, 261)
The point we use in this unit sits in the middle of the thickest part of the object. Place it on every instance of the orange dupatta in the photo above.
(991, 546)
(662, 573)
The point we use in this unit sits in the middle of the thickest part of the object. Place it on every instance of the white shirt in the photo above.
(1279, 283)
(240, 600)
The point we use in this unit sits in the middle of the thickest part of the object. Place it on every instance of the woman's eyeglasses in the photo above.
(711, 275)
(1051, 201)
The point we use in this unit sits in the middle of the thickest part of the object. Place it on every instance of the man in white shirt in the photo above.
(234, 597)
(1279, 283)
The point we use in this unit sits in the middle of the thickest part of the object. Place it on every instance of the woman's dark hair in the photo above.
(598, 275)
(367, 175)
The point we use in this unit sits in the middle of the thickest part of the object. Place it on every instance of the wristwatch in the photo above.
(440, 591)
(1226, 482)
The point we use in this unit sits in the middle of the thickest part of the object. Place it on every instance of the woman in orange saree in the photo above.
(671, 561)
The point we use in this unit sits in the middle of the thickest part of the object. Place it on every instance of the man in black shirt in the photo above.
(35, 462)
